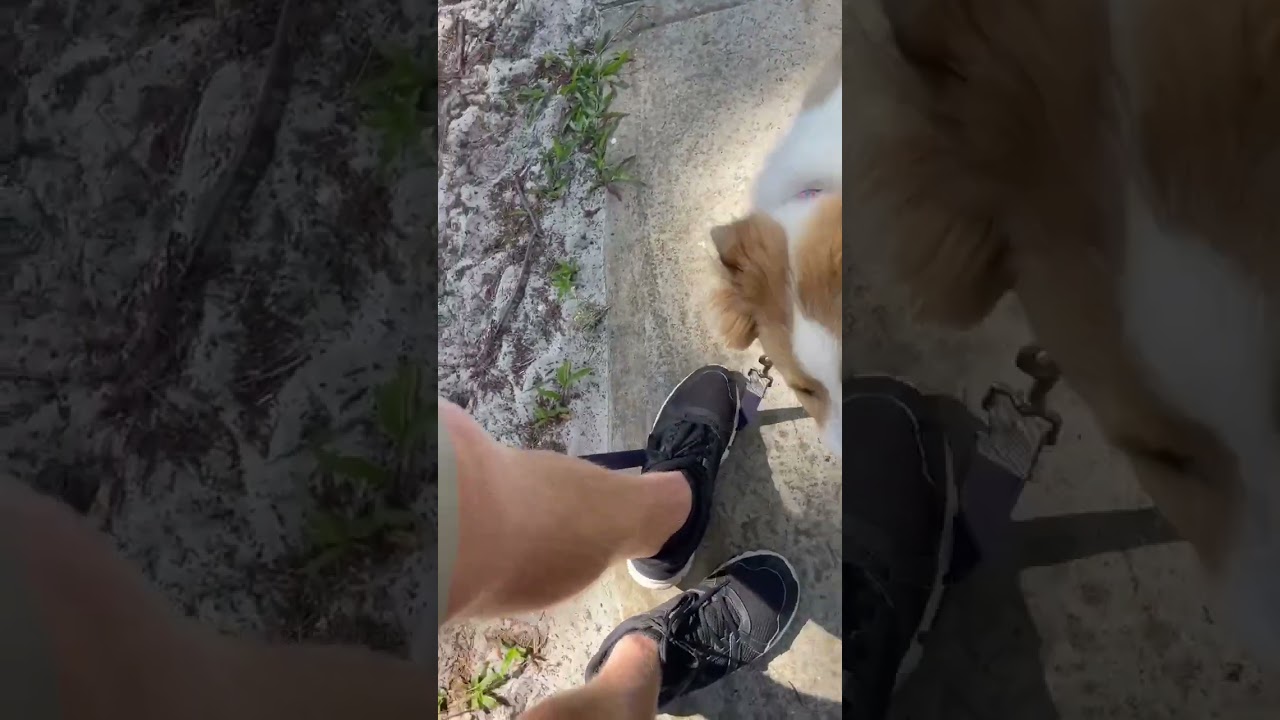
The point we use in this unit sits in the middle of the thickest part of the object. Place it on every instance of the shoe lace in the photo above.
(680, 438)
(697, 626)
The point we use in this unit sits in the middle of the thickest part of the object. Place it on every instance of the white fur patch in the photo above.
(809, 157)
(818, 353)
(1199, 324)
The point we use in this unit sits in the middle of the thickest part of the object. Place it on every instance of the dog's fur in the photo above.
(782, 262)
(1113, 163)
(808, 156)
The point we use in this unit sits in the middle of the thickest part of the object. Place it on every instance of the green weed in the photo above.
(567, 377)
(550, 408)
(396, 101)
(480, 693)
(589, 79)
(367, 485)
(553, 402)
(564, 278)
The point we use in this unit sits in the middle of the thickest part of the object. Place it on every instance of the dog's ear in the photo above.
(724, 237)
(730, 311)
(752, 253)
(732, 318)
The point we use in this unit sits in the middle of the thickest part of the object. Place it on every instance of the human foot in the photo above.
(692, 433)
(730, 620)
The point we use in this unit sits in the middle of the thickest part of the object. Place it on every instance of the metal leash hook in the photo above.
(1020, 422)
(758, 382)
(759, 377)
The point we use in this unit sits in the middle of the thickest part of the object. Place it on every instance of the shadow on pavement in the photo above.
(751, 514)
(983, 657)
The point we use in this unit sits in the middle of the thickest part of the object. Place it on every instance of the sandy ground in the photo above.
(490, 149)
(203, 273)
(490, 146)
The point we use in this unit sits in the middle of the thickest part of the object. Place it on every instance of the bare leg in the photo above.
(533, 528)
(78, 616)
(626, 687)
(540, 526)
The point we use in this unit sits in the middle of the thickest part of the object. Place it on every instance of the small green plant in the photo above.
(567, 377)
(532, 98)
(550, 407)
(404, 416)
(589, 80)
(557, 166)
(553, 402)
(404, 419)
(482, 691)
(563, 279)
(334, 537)
(395, 100)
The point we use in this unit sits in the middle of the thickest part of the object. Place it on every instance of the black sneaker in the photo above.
(692, 433)
(733, 618)
(898, 536)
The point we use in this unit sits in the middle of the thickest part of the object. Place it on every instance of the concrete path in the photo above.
(1095, 613)
(712, 88)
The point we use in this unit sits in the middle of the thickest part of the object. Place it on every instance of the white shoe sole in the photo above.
(911, 660)
(635, 574)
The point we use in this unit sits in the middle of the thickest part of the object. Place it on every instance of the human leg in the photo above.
(626, 687)
(536, 527)
(85, 637)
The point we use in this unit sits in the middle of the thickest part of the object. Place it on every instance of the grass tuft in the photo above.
(367, 513)
(553, 402)
(397, 101)
(481, 693)
(564, 279)
(589, 80)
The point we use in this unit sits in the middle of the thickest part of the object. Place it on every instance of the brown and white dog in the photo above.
(782, 262)
(1115, 164)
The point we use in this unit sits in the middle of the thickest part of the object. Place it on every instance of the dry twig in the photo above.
(491, 345)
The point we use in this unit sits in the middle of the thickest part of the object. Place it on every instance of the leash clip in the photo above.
(758, 379)
(1019, 423)
(1036, 364)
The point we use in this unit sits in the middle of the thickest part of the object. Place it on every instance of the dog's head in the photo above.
(783, 289)
(1115, 165)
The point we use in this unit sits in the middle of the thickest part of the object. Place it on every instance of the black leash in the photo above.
(1002, 454)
